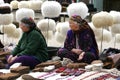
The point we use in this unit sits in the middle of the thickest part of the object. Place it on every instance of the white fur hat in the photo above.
(8, 29)
(6, 19)
(6, 4)
(1, 1)
(77, 9)
(115, 28)
(59, 37)
(116, 16)
(102, 19)
(35, 5)
(14, 4)
(16, 34)
(23, 4)
(47, 34)
(118, 38)
(51, 9)
(97, 31)
(107, 36)
(46, 25)
(58, 26)
(63, 28)
(24, 12)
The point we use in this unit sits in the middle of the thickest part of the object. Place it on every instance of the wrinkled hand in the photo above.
(81, 56)
(11, 58)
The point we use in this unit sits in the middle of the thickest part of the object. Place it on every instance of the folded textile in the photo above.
(9, 76)
(44, 64)
(76, 65)
(59, 70)
(21, 70)
(39, 69)
(96, 62)
(29, 77)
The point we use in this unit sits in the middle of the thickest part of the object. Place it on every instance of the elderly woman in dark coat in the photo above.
(80, 44)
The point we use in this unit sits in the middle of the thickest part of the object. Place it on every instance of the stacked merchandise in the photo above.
(72, 71)
(58, 70)
(5, 11)
(14, 73)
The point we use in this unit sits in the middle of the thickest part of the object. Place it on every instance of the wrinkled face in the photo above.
(73, 25)
(24, 27)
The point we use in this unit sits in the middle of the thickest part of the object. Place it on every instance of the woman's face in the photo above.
(74, 25)
(24, 27)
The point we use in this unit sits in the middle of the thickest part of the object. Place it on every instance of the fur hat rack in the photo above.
(50, 9)
(115, 29)
(47, 26)
(107, 35)
(6, 17)
(11, 32)
(102, 20)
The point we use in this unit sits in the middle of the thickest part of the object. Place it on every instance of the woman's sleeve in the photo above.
(16, 50)
(32, 45)
(92, 44)
(68, 41)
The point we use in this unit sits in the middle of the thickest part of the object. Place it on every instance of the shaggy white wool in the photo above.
(77, 9)
(6, 19)
(58, 26)
(59, 37)
(64, 28)
(97, 31)
(107, 36)
(47, 34)
(102, 19)
(38, 0)
(16, 34)
(35, 5)
(23, 4)
(24, 12)
(14, 4)
(116, 16)
(117, 38)
(8, 29)
(115, 28)
(46, 24)
(51, 9)
(1, 2)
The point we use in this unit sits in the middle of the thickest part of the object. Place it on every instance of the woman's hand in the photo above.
(77, 51)
(11, 58)
(81, 56)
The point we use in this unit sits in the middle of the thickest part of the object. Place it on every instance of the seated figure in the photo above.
(80, 44)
